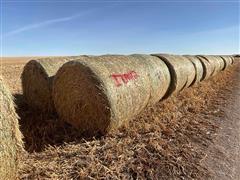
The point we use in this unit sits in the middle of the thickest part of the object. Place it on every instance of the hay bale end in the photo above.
(182, 72)
(198, 68)
(37, 79)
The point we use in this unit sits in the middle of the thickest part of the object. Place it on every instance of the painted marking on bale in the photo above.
(119, 79)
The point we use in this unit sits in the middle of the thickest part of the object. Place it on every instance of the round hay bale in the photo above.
(215, 63)
(208, 69)
(11, 143)
(221, 62)
(198, 68)
(159, 76)
(227, 60)
(101, 93)
(37, 79)
(236, 58)
(232, 59)
(182, 72)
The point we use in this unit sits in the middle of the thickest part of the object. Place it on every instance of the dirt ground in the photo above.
(223, 156)
(192, 135)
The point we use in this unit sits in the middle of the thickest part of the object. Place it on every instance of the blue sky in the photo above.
(121, 27)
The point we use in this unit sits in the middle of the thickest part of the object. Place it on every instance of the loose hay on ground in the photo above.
(11, 143)
(37, 79)
(104, 92)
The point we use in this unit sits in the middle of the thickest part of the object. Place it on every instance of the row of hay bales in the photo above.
(11, 143)
(99, 93)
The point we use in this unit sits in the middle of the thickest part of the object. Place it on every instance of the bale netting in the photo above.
(159, 74)
(198, 68)
(214, 62)
(228, 60)
(221, 62)
(99, 94)
(208, 69)
(182, 72)
(37, 79)
(11, 144)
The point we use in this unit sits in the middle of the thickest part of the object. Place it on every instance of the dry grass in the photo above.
(15, 60)
(21, 60)
(10, 137)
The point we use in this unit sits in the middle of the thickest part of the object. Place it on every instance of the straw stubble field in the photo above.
(169, 140)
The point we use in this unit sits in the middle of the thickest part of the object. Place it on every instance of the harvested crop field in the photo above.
(191, 135)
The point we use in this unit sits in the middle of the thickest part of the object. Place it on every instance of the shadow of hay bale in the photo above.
(41, 130)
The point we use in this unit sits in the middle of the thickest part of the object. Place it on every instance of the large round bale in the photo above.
(101, 93)
(11, 143)
(198, 68)
(182, 72)
(208, 69)
(221, 62)
(236, 58)
(215, 63)
(232, 60)
(159, 75)
(228, 60)
(37, 79)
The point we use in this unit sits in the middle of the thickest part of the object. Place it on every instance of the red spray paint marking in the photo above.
(124, 78)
